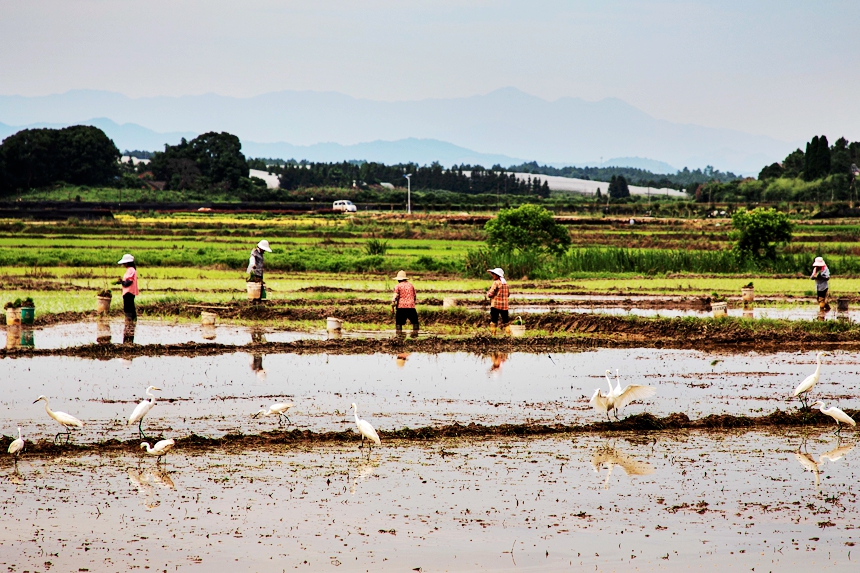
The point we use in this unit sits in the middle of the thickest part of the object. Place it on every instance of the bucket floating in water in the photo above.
(208, 318)
(102, 304)
(719, 309)
(28, 314)
(332, 323)
(255, 290)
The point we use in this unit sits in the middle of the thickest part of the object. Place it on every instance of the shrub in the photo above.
(375, 247)
(528, 228)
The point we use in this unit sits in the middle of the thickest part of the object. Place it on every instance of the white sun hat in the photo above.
(498, 272)
(264, 244)
(819, 262)
(126, 258)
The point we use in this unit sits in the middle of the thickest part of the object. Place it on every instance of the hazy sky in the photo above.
(784, 68)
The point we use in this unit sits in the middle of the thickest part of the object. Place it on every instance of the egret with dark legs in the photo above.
(66, 420)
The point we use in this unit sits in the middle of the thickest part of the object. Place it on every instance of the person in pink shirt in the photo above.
(403, 304)
(129, 286)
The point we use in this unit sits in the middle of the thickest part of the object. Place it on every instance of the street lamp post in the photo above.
(408, 193)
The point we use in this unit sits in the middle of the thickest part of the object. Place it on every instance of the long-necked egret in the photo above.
(142, 409)
(161, 448)
(365, 429)
(804, 387)
(16, 446)
(835, 413)
(610, 457)
(617, 397)
(279, 410)
(66, 420)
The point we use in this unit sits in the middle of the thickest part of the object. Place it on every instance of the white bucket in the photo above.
(719, 309)
(254, 290)
(102, 304)
(13, 316)
(518, 330)
(449, 302)
(332, 323)
(208, 318)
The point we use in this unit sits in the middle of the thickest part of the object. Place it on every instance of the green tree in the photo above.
(793, 163)
(772, 171)
(817, 164)
(618, 188)
(209, 160)
(528, 228)
(759, 232)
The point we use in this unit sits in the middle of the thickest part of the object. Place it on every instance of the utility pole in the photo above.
(408, 193)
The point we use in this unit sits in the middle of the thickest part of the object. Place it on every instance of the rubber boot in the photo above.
(399, 329)
(507, 330)
(821, 304)
(492, 330)
(414, 331)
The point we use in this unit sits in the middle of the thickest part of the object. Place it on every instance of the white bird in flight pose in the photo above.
(66, 420)
(279, 409)
(365, 429)
(161, 448)
(142, 409)
(617, 397)
(835, 413)
(804, 387)
(16, 446)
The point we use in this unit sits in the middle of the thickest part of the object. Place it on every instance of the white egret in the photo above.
(804, 387)
(16, 446)
(279, 410)
(66, 420)
(365, 429)
(617, 397)
(610, 457)
(161, 448)
(142, 409)
(835, 413)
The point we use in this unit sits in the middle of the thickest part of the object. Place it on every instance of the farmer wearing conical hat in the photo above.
(255, 265)
(129, 286)
(498, 294)
(403, 304)
(821, 275)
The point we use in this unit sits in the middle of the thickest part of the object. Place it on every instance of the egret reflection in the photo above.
(363, 471)
(809, 463)
(145, 482)
(609, 457)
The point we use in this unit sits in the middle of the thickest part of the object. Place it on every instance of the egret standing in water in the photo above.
(161, 448)
(279, 410)
(16, 446)
(142, 410)
(804, 387)
(835, 413)
(617, 397)
(66, 420)
(366, 430)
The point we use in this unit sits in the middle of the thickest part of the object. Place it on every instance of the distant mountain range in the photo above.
(506, 124)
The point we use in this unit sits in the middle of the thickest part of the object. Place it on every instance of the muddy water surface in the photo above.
(744, 502)
(215, 395)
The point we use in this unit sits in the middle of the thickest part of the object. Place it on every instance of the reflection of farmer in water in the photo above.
(821, 276)
(257, 365)
(497, 358)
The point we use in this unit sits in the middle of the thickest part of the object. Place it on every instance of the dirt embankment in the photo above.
(637, 425)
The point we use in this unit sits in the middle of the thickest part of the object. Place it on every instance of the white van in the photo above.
(345, 206)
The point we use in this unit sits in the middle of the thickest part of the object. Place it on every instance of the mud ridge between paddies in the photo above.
(632, 427)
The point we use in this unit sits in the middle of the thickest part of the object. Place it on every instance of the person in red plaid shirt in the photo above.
(403, 304)
(498, 294)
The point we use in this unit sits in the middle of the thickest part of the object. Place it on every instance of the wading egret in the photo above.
(17, 445)
(617, 397)
(804, 387)
(279, 410)
(142, 409)
(835, 413)
(65, 420)
(610, 457)
(366, 430)
(161, 448)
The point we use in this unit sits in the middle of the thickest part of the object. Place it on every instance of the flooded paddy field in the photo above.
(683, 501)
(216, 395)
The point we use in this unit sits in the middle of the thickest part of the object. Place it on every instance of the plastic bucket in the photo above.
(748, 294)
(719, 309)
(28, 314)
(332, 323)
(518, 330)
(13, 316)
(254, 290)
(449, 302)
(208, 318)
(102, 304)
